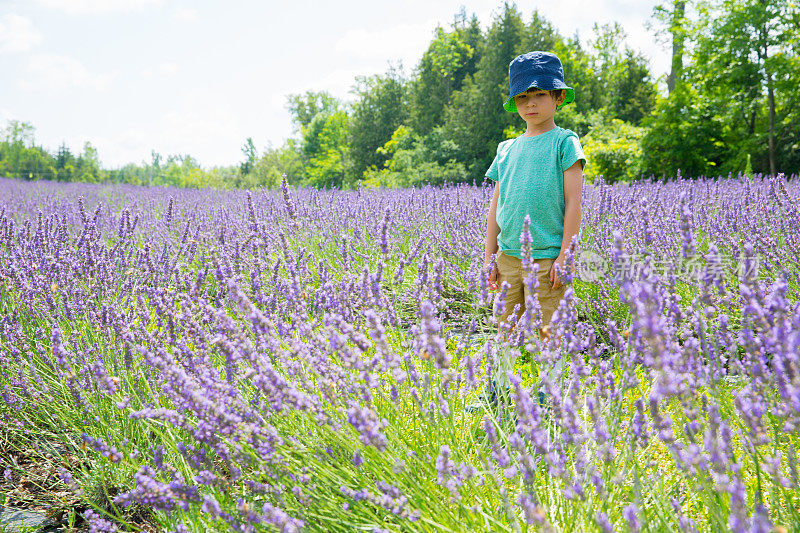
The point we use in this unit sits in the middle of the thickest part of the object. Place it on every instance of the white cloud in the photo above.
(98, 6)
(213, 136)
(277, 101)
(406, 42)
(339, 82)
(186, 14)
(168, 67)
(54, 72)
(5, 116)
(17, 34)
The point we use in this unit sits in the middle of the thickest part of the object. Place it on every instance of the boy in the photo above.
(538, 174)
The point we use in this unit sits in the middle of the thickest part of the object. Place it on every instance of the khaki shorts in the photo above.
(510, 271)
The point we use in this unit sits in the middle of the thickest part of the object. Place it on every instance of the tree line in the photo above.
(731, 103)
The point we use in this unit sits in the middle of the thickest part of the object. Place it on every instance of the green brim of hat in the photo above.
(511, 105)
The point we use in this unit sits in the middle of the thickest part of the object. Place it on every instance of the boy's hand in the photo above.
(555, 281)
(493, 276)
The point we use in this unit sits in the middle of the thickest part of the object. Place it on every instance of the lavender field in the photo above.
(178, 360)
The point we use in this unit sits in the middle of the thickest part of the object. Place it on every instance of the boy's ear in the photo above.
(562, 97)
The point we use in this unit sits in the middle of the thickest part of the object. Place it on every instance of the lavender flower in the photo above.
(631, 515)
(98, 524)
(257, 336)
(603, 523)
(368, 425)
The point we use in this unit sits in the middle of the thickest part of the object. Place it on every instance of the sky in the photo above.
(199, 77)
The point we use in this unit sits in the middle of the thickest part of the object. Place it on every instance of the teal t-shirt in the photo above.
(530, 174)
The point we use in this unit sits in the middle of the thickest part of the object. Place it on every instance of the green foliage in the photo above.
(625, 88)
(265, 171)
(415, 160)
(18, 133)
(787, 91)
(275, 162)
(733, 98)
(613, 148)
(322, 150)
(325, 149)
(475, 120)
(21, 158)
(579, 73)
(304, 107)
(633, 95)
(682, 135)
(742, 62)
(748, 168)
(449, 59)
(572, 119)
(380, 108)
(88, 168)
(250, 154)
(178, 171)
(672, 20)
(26, 163)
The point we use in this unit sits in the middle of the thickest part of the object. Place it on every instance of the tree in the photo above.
(632, 94)
(275, 162)
(415, 160)
(614, 149)
(625, 86)
(579, 74)
(87, 166)
(65, 163)
(130, 173)
(676, 28)
(154, 169)
(304, 107)
(683, 134)
(177, 168)
(20, 157)
(741, 47)
(449, 59)
(250, 156)
(18, 133)
(28, 163)
(672, 23)
(539, 34)
(325, 148)
(475, 120)
(380, 107)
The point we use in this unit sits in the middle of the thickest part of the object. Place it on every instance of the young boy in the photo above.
(538, 174)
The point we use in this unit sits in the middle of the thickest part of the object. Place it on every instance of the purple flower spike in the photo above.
(603, 523)
(368, 425)
(631, 515)
(98, 524)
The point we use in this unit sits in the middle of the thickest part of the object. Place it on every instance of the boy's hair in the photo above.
(554, 93)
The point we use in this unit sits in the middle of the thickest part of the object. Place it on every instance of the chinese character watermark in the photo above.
(593, 267)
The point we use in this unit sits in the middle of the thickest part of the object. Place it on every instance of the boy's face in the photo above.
(537, 107)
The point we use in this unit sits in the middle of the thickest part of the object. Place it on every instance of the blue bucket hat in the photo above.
(542, 70)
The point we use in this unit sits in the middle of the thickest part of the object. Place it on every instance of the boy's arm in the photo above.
(573, 190)
(492, 231)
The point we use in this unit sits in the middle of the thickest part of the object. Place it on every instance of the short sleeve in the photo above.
(571, 151)
(493, 173)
